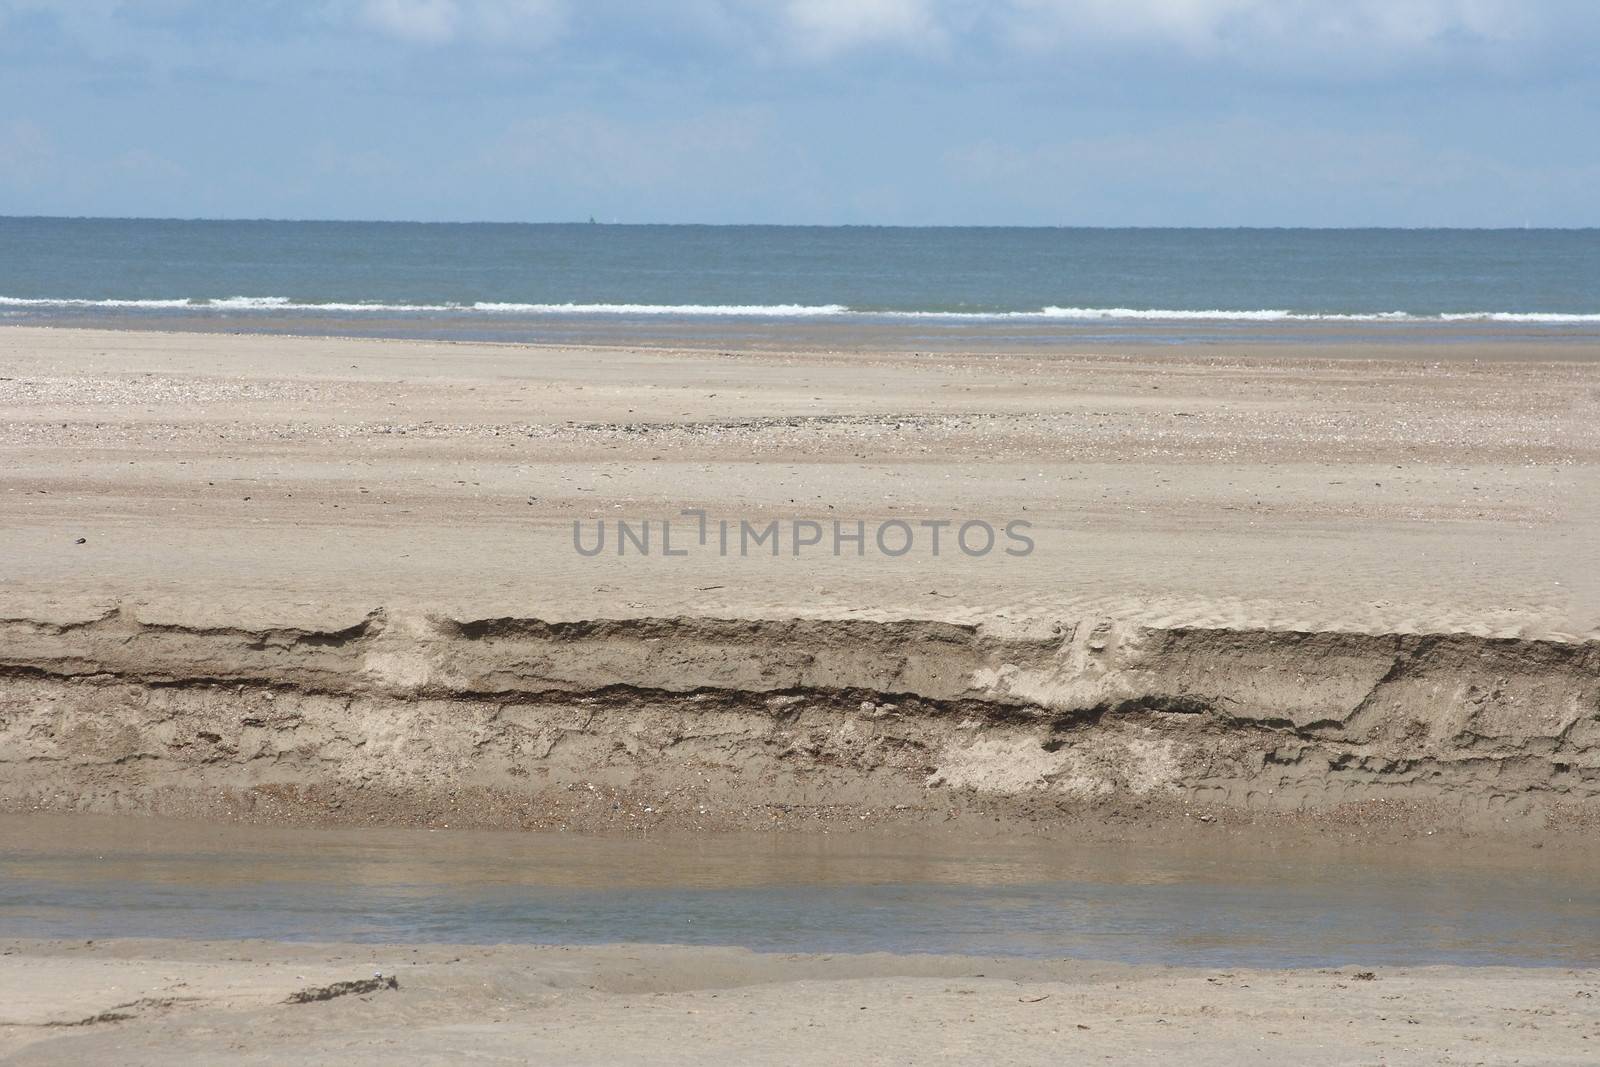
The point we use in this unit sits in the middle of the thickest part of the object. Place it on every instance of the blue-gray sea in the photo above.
(541, 282)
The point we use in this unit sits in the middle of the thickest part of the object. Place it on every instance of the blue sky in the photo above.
(1078, 112)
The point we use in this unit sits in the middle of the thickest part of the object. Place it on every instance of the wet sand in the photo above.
(1541, 342)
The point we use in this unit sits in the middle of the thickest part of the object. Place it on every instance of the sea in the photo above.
(557, 282)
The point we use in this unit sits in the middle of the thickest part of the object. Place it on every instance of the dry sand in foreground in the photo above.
(169, 1003)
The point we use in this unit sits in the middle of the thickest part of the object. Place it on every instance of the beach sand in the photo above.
(288, 578)
(167, 1002)
(1345, 590)
(1415, 489)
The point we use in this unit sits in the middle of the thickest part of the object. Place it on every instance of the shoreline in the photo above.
(1510, 342)
(1376, 339)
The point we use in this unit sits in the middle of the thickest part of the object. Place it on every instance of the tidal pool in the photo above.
(1205, 903)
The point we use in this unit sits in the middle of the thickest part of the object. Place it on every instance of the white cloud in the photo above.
(513, 23)
(1248, 33)
(1260, 31)
(1310, 39)
(421, 21)
(1349, 38)
(825, 27)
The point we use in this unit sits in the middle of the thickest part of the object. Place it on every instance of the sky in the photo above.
(894, 112)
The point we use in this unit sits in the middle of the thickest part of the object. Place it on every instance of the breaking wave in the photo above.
(780, 311)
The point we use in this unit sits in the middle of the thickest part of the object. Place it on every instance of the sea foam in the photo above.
(785, 311)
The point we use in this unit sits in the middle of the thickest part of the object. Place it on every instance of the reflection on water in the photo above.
(862, 892)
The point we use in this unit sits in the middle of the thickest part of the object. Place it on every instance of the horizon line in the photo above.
(768, 225)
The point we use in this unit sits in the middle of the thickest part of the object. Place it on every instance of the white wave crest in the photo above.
(1516, 316)
(283, 303)
(1076, 314)
(779, 311)
(1221, 315)
(21, 301)
(784, 311)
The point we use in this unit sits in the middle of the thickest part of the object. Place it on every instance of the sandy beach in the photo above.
(286, 578)
(186, 1002)
(1274, 595)
(884, 532)
(896, 531)
(1412, 490)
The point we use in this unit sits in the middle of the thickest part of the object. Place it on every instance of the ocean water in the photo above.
(512, 280)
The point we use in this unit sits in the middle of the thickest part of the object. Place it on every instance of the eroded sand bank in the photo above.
(702, 722)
